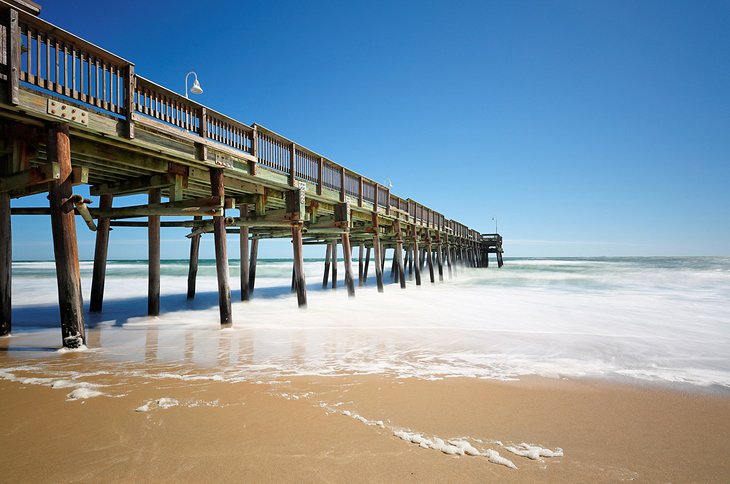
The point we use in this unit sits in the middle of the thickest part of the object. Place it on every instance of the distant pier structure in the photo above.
(72, 113)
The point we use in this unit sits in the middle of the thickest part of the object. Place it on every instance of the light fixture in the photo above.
(196, 89)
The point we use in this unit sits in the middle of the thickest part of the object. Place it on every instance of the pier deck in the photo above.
(72, 113)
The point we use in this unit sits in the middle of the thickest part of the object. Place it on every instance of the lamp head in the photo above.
(196, 89)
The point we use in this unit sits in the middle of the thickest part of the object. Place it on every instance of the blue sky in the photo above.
(585, 128)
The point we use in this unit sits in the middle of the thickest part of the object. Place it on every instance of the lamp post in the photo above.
(196, 89)
(495, 225)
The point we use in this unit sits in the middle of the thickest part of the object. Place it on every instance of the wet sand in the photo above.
(294, 429)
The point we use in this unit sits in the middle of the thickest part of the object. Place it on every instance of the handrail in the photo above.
(53, 59)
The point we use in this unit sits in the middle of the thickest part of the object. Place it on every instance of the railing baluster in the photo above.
(66, 89)
(29, 61)
(40, 80)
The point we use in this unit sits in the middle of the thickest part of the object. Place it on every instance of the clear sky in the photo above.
(584, 127)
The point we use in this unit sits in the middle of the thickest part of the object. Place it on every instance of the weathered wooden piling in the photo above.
(325, 279)
(153, 256)
(367, 266)
(334, 264)
(252, 265)
(101, 249)
(429, 257)
(347, 252)
(378, 249)
(6, 263)
(221, 252)
(193, 264)
(399, 254)
(245, 296)
(448, 256)
(409, 263)
(439, 261)
(299, 282)
(361, 265)
(65, 248)
(416, 257)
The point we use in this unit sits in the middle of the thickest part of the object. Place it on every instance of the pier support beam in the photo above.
(429, 257)
(153, 251)
(377, 248)
(361, 267)
(101, 250)
(65, 248)
(415, 256)
(221, 251)
(439, 261)
(399, 255)
(448, 255)
(367, 266)
(252, 265)
(299, 282)
(500, 262)
(328, 254)
(347, 252)
(334, 264)
(245, 296)
(193, 268)
(6, 263)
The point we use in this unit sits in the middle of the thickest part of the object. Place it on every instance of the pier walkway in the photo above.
(72, 113)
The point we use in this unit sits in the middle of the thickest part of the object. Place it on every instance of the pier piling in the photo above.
(193, 267)
(6, 262)
(415, 257)
(153, 256)
(221, 252)
(299, 282)
(377, 249)
(347, 252)
(65, 247)
(328, 254)
(252, 265)
(101, 250)
(334, 264)
(244, 263)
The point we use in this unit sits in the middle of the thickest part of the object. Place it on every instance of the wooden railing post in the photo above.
(13, 57)
(359, 198)
(254, 151)
(129, 101)
(343, 191)
(201, 148)
(320, 173)
(293, 165)
(387, 201)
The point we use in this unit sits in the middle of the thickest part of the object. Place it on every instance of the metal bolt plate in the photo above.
(67, 112)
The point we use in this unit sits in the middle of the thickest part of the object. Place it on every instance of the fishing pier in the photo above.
(73, 114)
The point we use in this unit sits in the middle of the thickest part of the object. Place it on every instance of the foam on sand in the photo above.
(83, 393)
(534, 452)
(453, 447)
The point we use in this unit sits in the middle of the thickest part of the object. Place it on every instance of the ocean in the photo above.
(638, 319)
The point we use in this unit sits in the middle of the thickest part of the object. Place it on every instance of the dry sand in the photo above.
(293, 430)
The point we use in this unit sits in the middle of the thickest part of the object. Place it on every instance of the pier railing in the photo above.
(42, 56)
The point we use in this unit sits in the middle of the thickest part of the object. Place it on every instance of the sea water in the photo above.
(663, 320)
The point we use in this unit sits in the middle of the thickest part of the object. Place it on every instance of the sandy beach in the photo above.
(337, 429)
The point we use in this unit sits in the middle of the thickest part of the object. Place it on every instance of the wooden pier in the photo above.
(73, 114)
